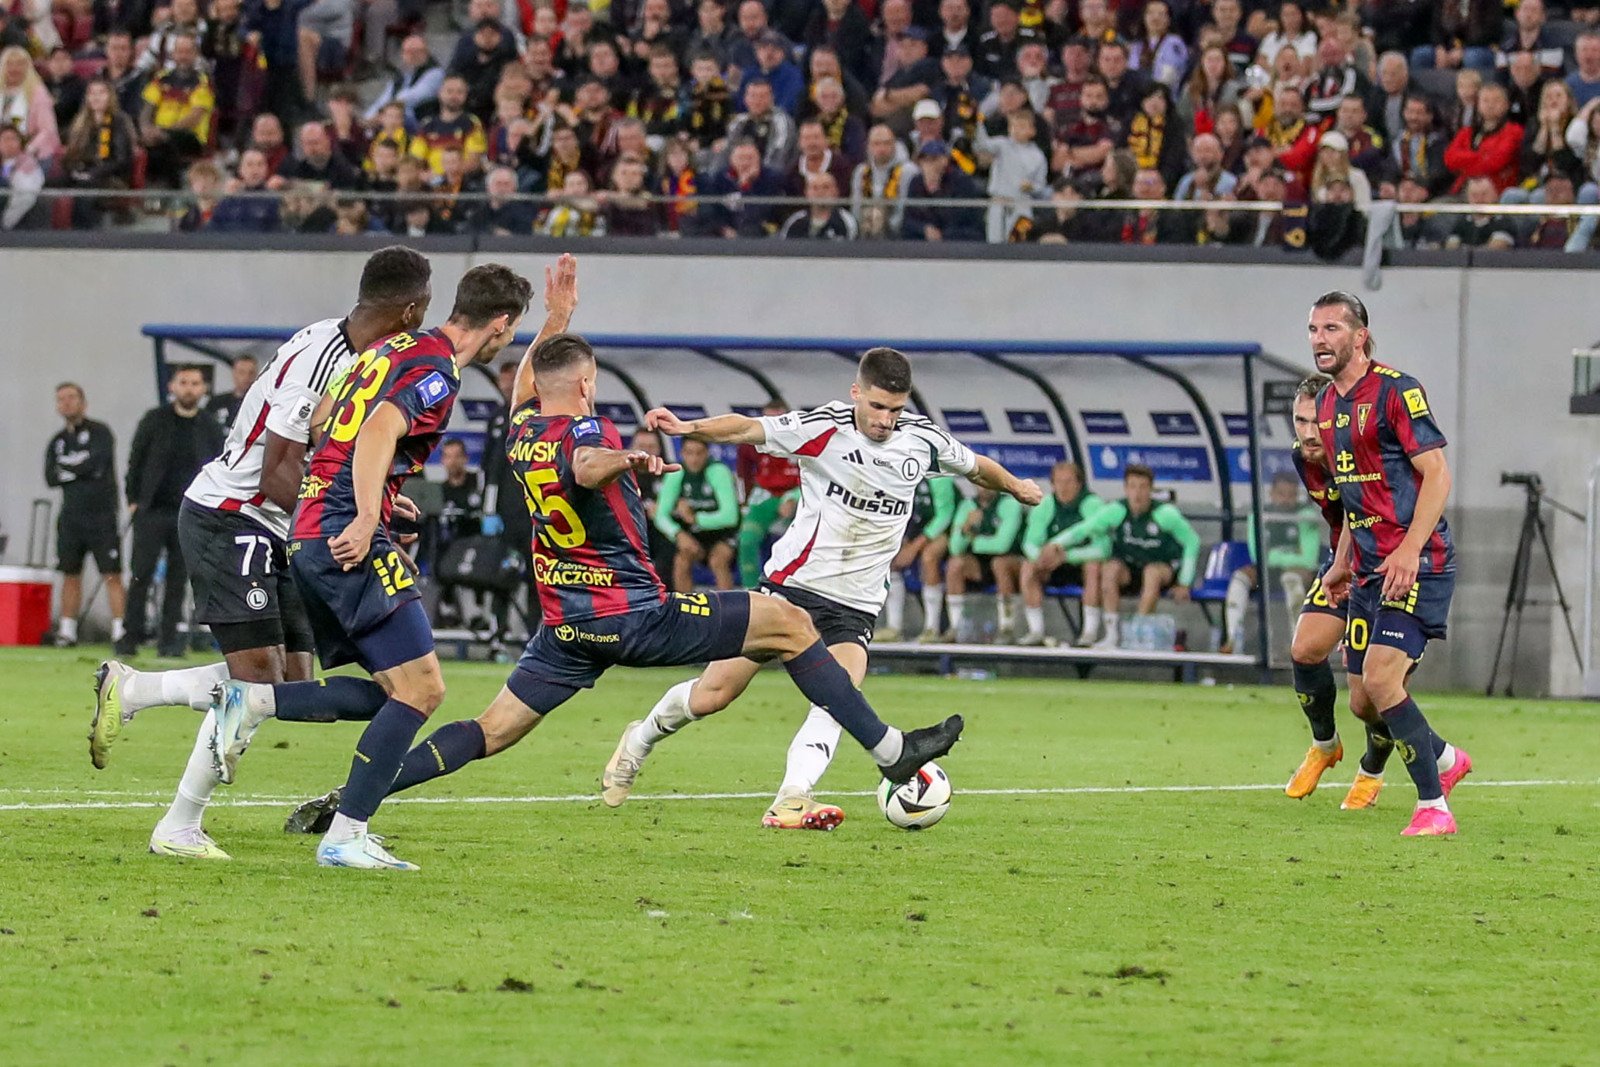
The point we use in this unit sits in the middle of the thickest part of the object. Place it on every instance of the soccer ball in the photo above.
(919, 803)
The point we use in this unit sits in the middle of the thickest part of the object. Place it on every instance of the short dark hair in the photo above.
(71, 385)
(453, 442)
(1354, 309)
(1313, 385)
(1139, 470)
(559, 353)
(245, 357)
(490, 290)
(183, 368)
(394, 275)
(886, 369)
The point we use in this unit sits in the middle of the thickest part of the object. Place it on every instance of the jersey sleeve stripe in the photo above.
(330, 359)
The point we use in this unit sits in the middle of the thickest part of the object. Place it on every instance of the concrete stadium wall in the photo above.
(1492, 346)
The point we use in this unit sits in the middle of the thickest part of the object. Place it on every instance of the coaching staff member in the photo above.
(170, 446)
(81, 461)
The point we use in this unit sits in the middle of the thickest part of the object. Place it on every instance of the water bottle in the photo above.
(1163, 633)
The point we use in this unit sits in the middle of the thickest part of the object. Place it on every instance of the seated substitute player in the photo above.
(605, 606)
(985, 547)
(1294, 545)
(1048, 562)
(926, 543)
(233, 525)
(1153, 549)
(697, 506)
(1395, 559)
(358, 588)
(861, 465)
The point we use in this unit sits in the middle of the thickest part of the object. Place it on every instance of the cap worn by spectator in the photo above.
(926, 109)
(1334, 139)
(934, 147)
(1257, 142)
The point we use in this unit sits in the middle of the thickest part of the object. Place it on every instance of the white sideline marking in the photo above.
(259, 801)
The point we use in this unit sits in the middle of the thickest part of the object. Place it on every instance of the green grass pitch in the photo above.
(1126, 921)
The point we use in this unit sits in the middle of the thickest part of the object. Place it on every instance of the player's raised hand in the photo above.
(644, 462)
(1399, 571)
(353, 543)
(561, 286)
(665, 421)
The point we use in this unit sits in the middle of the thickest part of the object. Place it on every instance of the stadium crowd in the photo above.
(645, 117)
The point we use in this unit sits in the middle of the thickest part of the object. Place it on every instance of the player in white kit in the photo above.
(860, 464)
(233, 526)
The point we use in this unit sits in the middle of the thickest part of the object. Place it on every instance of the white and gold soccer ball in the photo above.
(919, 803)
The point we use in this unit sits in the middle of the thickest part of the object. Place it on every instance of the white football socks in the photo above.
(67, 628)
(670, 715)
(810, 753)
(1113, 628)
(1006, 611)
(119, 629)
(895, 605)
(189, 687)
(1235, 608)
(1293, 584)
(932, 608)
(1447, 759)
(199, 781)
(1035, 617)
(1091, 622)
(344, 828)
(957, 603)
(889, 749)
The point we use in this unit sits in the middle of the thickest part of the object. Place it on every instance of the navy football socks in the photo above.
(1419, 747)
(827, 685)
(1314, 685)
(336, 699)
(377, 760)
(1379, 745)
(445, 751)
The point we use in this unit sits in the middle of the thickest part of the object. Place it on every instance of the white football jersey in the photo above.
(282, 399)
(855, 498)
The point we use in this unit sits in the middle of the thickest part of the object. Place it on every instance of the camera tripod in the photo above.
(1533, 526)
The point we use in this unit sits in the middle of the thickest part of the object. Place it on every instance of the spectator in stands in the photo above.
(729, 215)
(817, 157)
(1558, 233)
(1463, 110)
(959, 94)
(1335, 79)
(1523, 82)
(879, 185)
(1157, 52)
(1485, 229)
(64, 87)
(751, 19)
(1084, 143)
(1154, 137)
(824, 63)
(183, 18)
(1125, 87)
(21, 179)
(1419, 150)
(273, 26)
(224, 408)
(1490, 146)
(1153, 549)
(1285, 228)
(1048, 563)
(578, 32)
(1583, 137)
(499, 214)
(456, 181)
(1210, 87)
(326, 28)
(1095, 24)
(1226, 17)
(222, 46)
(344, 128)
(1333, 165)
(415, 83)
(1294, 139)
(676, 179)
(1061, 106)
(1529, 33)
(774, 67)
(626, 204)
(710, 102)
(1412, 229)
(845, 132)
(927, 124)
(1464, 34)
(576, 213)
(1207, 180)
(26, 106)
(1389, 97)
(1290, 31)
(1147, 226)
(821, 218)
(479, 58)
(985, 548)
(1585, 79)
(120, 70)
(660, 103)
(451, 125)
(712, 34)
(1018, 172)
(1544, 145)
(913, 80)
(955, 28)
(177, 116)
(316, 161)
(81, 461)
(698, 507)
(171, 444)
(1366, 144)
(654, 33)
(1229, 128)
(245, 213)
(995, 55)
(566, 156)
(772, 130)
(894, 20)
(266, 137)
(936, 178)
(1058, 223)
(99, 152)
(381, 174)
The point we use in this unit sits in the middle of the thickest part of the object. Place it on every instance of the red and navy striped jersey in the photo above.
(1319, 484)
(414, 372)
(1370, 436)
(591, 547)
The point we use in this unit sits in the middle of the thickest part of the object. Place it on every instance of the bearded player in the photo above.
(861, 465)
(1395, 559)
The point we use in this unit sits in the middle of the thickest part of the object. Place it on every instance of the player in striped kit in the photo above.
(860, 467)
(233, 526)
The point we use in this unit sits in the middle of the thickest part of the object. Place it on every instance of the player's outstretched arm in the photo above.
(719, 429)
(596, 468)
(560, 303)
(990, 475)
(369, 470)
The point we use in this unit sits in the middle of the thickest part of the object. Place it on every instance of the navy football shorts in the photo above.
(688, 628)
(1316, 598)
(371, 615)
(1407, 622)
